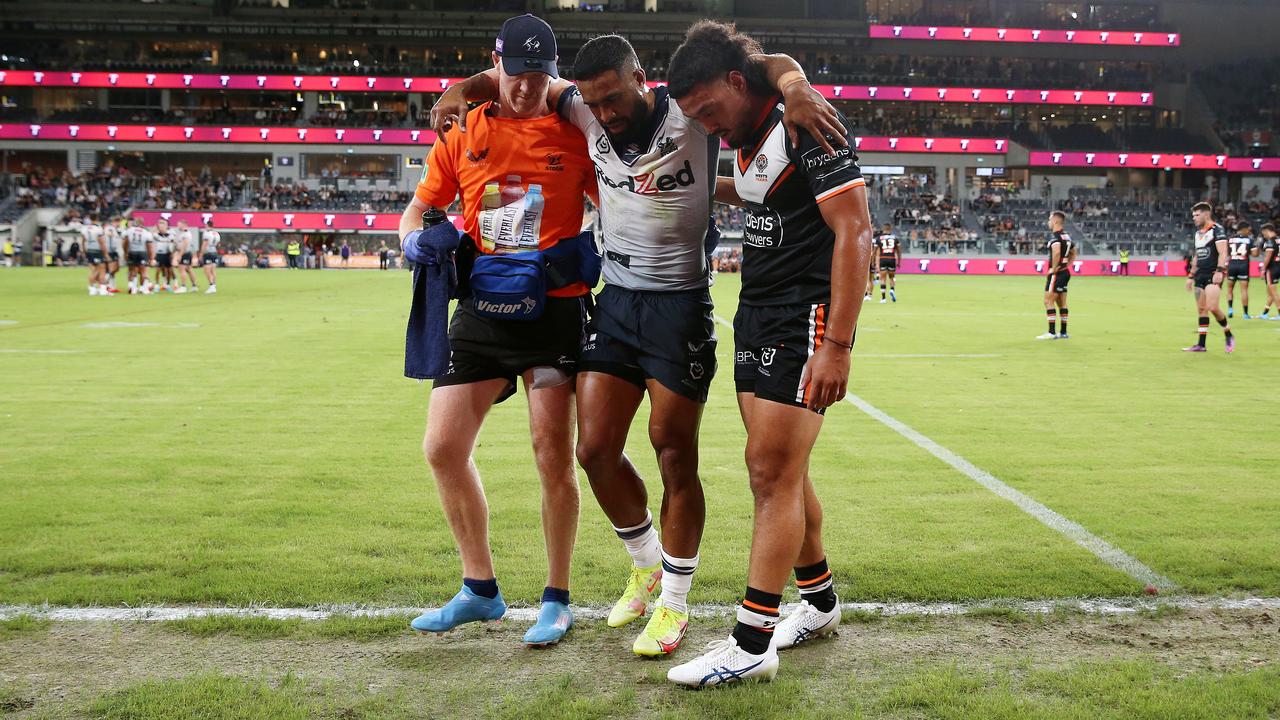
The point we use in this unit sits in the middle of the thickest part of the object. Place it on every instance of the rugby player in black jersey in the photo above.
(1270, 271)
(807, 243)
(1239, 248)
(1210, 249)
(1062, 251)
(888, 253)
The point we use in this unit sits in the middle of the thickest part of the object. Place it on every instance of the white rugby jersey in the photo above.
(655, 195)
(210, 239)
(92, 234)
(163, 241)
(138, 238)
(184, 242)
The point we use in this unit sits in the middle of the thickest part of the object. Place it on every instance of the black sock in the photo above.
(554, 594)
(1245, 307)
(1053, 321)
(815, 584)
(1204, 330)
(1226, 329)
(1062, 315)
(756, 619)
(1230, 303)
(483, 588)
(883, 290)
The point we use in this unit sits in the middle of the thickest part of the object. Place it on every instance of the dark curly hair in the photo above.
(711, 50)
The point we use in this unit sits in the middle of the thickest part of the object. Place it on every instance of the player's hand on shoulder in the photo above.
(449, 110)
(805, 108)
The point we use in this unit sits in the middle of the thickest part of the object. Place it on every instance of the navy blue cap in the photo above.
(527, 44)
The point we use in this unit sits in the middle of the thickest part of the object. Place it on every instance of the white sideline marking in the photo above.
(121, 324)
(40, 352)
(1089, 606)
(8, 322)
(1108, 553)
(912, 356)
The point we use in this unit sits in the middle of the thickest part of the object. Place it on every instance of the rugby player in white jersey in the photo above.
(162, 258)
(209, 239)
(137, 257)
(186, 246)
(652, 329)
(112, 231)
(95, 249)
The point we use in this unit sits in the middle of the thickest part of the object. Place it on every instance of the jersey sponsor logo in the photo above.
(649, 183)
(762, 228)
(477, 158)
(819, 159)
(555, 162)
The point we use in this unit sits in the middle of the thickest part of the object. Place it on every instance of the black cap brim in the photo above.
(521, 65)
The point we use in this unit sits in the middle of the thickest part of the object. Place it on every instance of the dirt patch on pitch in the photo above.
(60, 671)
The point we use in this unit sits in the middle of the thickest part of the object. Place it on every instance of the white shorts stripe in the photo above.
(813, 333)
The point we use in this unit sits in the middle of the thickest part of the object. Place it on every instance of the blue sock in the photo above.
(559, 595)
(483, 588)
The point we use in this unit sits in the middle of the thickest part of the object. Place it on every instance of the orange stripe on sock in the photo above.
(815, 581)
(759, 608)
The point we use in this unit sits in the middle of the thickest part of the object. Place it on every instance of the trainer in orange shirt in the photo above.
(522, 178)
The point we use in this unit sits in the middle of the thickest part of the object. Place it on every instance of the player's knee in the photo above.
(766, 469)
(442, 452)
(594, 453)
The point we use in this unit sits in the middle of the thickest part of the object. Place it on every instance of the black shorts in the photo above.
(1205, 279)
(186, 259)
(114, 256)
(667, 336)
(1273, 274)
(164, 259)
(137, 258)
(889, 264)
(1057, 282)
(210, 259)
(488, 349)
(95, 257)
(1238, 270)
(772, 346)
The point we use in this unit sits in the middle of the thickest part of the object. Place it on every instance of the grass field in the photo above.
(260, 447)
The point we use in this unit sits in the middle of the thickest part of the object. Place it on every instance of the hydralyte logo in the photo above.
(649, 183)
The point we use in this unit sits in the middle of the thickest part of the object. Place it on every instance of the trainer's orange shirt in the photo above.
(521, 181)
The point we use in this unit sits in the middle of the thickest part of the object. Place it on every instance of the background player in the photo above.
(1240, 246)
(1210, 248)
(888, 253)
(96, 251)
(186, 244)
(162, 257)
(114, 242)
(1062, 251)
(209, 239)
(138, 256)
(1270, 271)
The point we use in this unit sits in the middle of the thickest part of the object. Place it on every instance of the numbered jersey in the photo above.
(184, 241)
(1238, 248)
(1065, 245)
(138, 238)
(787, 245)
(888, 245)
(655, 188)
(93, 238)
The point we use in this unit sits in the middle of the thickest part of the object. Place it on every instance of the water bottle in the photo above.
(433, 216)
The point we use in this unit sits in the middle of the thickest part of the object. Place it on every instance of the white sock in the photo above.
(642, 542)
(677, 576)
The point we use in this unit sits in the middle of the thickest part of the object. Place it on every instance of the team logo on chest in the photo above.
(602, 145)
(666, 146)
(762, 164)
(477, 158)
(555, 161)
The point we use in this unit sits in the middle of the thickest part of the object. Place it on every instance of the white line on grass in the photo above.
(8, 322)
(1090, 606)
(24, 351)
(914, 356)
(112, 325)
(1108, 553)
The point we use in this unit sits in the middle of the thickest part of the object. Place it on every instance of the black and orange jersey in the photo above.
(787, 244)
(888, 246)
(1065, 245)
(1238, 247)
(1272, 247)
(1206, 247)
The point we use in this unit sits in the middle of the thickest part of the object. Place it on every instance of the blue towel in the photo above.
(426, 341)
